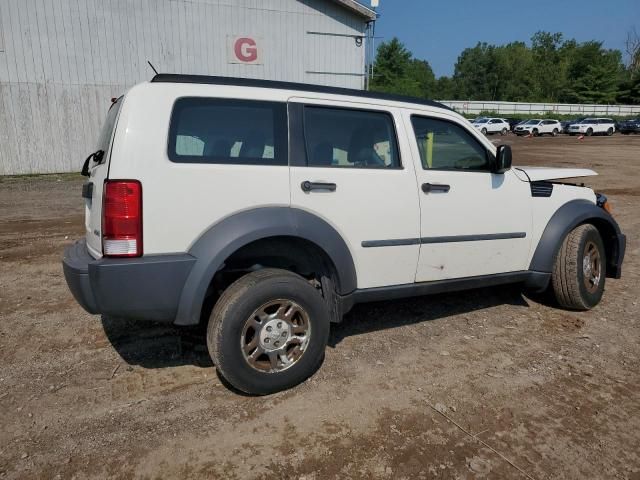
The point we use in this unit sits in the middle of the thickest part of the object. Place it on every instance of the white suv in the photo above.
(539, 127)
(491, 125)
(593, 126)
(269, 209)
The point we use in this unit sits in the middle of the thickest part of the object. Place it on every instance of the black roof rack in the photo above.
(303, 87)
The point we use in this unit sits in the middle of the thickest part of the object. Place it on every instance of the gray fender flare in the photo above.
(565, 219)
(222, 239)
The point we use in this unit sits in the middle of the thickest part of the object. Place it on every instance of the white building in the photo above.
(61, 61)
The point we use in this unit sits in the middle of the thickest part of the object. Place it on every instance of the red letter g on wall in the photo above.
(246, 50)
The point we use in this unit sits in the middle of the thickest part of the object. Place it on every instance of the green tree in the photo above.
(396, 71)
(550, 65)
(473, 76)
(593, 74)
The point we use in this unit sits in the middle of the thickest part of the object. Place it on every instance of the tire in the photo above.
(610, 132)
(235, 328)
(503, 132)
(589, 132)
(484, 131)
(535, 132)
(578, 284)
(555, 132)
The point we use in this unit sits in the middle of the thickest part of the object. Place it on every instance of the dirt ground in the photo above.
(484, 384)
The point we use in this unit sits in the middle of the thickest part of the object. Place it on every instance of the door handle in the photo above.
(435, 187)
(307, 186)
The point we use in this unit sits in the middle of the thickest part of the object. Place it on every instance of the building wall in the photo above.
(61, 61)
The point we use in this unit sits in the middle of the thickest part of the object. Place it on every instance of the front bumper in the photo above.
(145, 288)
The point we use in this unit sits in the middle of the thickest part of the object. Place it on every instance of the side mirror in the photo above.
(503, 158)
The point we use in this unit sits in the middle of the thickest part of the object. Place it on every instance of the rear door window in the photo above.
(341, 137)
(228, 131)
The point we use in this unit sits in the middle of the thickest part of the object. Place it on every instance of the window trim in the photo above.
(491, 159)
(279, 124)
(387, 113)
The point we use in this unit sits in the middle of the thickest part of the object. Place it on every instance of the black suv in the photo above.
(629, 126)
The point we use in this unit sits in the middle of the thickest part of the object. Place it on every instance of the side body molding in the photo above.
(221, 240)
(566, 219)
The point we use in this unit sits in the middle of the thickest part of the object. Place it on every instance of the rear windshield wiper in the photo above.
(96, 156)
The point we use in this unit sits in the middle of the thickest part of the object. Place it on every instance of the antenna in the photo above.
(152, 67)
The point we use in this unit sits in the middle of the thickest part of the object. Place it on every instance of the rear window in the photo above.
(109, 124)
(226, 131)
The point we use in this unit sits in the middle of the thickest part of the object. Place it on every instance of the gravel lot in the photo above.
(483, 384)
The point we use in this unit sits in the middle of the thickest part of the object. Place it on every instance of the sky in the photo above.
(437, 31)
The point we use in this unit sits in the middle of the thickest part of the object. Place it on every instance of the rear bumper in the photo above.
(145, 288)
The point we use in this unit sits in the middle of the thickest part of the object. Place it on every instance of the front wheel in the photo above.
(579, 270)
(268, 331)
(535, 132)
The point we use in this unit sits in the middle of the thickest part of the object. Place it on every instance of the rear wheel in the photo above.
(579, 270)
(589, 132)
(504, 131)
(610, 132)
(555, 132)
(268, 331)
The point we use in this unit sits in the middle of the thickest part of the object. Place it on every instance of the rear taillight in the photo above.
(122, 218)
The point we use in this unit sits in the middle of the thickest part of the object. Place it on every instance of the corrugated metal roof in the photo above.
(357, 8)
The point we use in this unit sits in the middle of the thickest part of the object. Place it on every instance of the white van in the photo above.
(269, 209)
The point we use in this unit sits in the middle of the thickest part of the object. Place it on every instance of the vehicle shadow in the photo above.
(376, 316)
(160, 345)
(157, 345)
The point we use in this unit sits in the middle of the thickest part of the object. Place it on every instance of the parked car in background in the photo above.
(593, 126)
(539, 127)
(567, 123)
(514, 122)
(492, 125)
(630, 126)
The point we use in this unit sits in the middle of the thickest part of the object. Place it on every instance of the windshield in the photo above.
(590, 120)
(481, 120)
(532, 122)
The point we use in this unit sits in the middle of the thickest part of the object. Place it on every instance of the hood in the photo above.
(535, 174)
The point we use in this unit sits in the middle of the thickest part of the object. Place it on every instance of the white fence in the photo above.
(473, 107)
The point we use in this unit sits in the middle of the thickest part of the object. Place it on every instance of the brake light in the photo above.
(122, 218)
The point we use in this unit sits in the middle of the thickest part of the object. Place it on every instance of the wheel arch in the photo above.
(565, 219)
(222, 240)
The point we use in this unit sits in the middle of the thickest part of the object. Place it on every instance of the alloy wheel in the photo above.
(275, 336)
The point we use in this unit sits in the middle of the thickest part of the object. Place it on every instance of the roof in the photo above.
(303, 87)
(357, 8)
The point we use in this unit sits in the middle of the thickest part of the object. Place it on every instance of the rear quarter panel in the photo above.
(181, 201)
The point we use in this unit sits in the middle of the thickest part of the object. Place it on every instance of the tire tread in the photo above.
(565, 277)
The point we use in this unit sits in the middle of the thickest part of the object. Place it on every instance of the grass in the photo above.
(41, 176)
